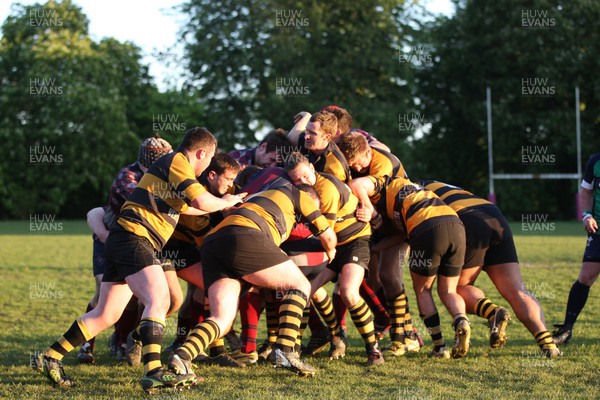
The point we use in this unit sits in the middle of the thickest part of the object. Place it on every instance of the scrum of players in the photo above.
(264, 229)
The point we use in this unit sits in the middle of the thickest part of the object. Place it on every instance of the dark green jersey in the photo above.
(591, 181)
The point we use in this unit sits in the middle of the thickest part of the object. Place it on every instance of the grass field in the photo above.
(48, 282)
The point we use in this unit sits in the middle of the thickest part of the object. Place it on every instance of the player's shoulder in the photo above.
(594, 158)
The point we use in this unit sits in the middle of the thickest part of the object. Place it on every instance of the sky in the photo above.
(154, 27)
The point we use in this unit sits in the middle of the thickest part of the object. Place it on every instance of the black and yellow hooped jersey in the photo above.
(383, 163)
(192, 228)
(338, 205)
(165, 190)
(458, 199)
(412, 207)
(275, 212)
(332, 161)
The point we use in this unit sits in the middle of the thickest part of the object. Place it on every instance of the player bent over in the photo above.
(437, 249)
(244, 248)
(147, 220)
(339, 206)
(490, 247)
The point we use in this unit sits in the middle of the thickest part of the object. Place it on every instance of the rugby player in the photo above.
(146, 222)
(589, 200)
(315, 140)
(368, 161)
(253, 234)
(100, 220)
(490, 247)
(267, 153)
(437, 248)
(339, 205)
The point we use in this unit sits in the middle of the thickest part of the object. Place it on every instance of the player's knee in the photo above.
(302, 284)
(176, 300)
(224, 323)
(587, 278)
(94, 301)
(391, 279)
(349, 297)
(105, 318)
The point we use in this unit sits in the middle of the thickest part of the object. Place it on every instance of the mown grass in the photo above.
(48, 282)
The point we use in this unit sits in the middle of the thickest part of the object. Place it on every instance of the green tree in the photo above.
(71, 110)
(258, 63)
(531, 54)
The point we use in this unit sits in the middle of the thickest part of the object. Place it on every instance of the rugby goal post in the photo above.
(492, 175)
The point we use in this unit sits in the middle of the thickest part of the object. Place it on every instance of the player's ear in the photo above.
(200, 154)
(211, 175)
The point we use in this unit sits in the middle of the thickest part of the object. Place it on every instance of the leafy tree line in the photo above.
(73, 111)
(531, 54)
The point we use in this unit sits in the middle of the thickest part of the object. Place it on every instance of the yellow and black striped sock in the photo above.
(303, 324)
(151, 333)
(325, 308)
(544, 340)
(408, 325)
(77, 335)
(432, 322)
(217, 347)
(363, 320)
(135, 334)
(290, 315)
(272, 321)
(484, 308)
(397, 311)
(199, 339)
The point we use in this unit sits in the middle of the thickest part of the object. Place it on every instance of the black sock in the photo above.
(577, 298)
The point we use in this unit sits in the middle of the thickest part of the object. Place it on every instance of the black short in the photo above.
(312, 272)
(126, 254)
(489, 238)
(354, 252)
(592, 248)
(235, 251)
(98, 259)
(438, 251)
(178, 255)
(387, 228)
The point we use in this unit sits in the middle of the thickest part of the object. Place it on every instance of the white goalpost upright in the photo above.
(577, 175)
